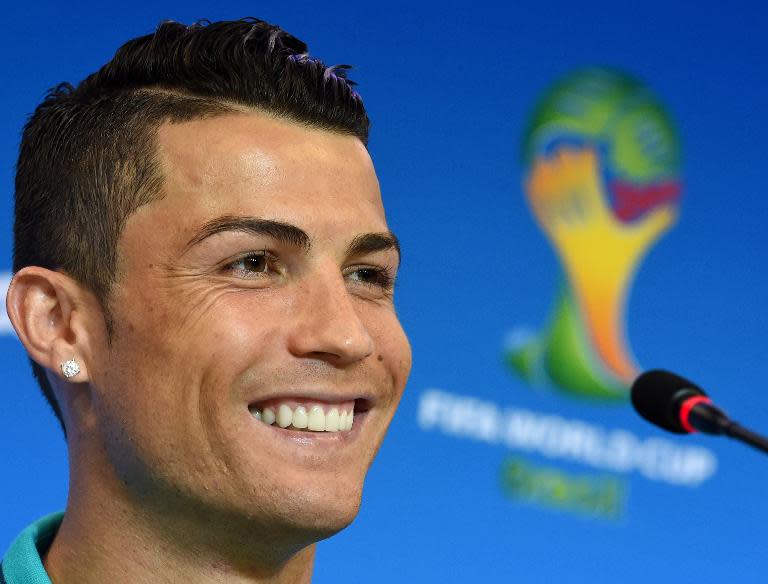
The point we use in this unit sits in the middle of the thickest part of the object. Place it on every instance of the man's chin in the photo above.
(320, 518)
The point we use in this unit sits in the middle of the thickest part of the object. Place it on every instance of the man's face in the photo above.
(262, 278)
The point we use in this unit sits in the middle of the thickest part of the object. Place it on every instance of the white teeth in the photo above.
(332, 420)
(284, 416)
(300, 419)
(315, 419)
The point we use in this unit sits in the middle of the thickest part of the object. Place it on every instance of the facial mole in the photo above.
(380, 357)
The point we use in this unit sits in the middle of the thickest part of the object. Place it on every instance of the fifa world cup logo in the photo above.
(602, 181)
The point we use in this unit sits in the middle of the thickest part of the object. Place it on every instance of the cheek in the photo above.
(393, 351)
(160, 351)
(193, 329)
(172, 387)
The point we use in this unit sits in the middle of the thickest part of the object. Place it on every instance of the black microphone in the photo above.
(678, 405)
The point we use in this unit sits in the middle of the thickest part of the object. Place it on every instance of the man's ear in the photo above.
(50, 311)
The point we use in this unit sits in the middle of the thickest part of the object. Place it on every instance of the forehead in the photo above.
(255, 165)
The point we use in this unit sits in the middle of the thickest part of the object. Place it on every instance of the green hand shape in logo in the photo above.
(602, 179)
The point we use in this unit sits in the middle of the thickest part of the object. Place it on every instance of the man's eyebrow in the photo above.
(282, 232)
(373, 242)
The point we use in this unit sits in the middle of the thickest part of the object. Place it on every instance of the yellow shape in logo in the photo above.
(598, 252)
(602, 179)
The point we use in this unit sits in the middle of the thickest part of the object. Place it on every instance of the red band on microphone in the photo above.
(687, 406)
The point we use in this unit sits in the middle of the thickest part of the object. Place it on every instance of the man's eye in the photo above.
(369, 276)
(254, 264)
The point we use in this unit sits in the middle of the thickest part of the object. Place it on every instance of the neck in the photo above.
(106, 537)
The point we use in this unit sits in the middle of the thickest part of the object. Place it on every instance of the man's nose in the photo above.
(327, 323)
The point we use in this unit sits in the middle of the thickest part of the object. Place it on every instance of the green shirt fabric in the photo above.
(23, 562)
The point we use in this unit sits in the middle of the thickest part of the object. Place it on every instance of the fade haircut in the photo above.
(88, 156)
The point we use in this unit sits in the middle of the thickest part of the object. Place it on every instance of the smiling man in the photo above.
(204, 283)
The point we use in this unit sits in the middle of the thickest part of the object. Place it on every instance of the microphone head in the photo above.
(657, 396)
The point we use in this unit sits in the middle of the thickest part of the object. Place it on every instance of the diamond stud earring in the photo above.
(70, 368)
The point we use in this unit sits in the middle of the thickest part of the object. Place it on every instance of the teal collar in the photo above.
(22, 563)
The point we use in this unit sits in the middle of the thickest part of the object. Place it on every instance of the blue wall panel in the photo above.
(450, 88)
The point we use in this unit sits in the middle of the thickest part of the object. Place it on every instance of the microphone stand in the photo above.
(711, 420)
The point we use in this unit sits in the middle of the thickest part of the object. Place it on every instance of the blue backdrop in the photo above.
(449, 88)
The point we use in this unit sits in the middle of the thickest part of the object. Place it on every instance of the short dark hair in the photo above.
(87, 158)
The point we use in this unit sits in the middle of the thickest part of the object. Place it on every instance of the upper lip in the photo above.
(318, 395)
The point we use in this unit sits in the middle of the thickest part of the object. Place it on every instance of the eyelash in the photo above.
(383, 275)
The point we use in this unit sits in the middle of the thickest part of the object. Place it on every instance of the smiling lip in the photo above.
(359, 403)
(309, 438)
(304, 438)
(308, 415)
(317, 396)
(305, 415)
